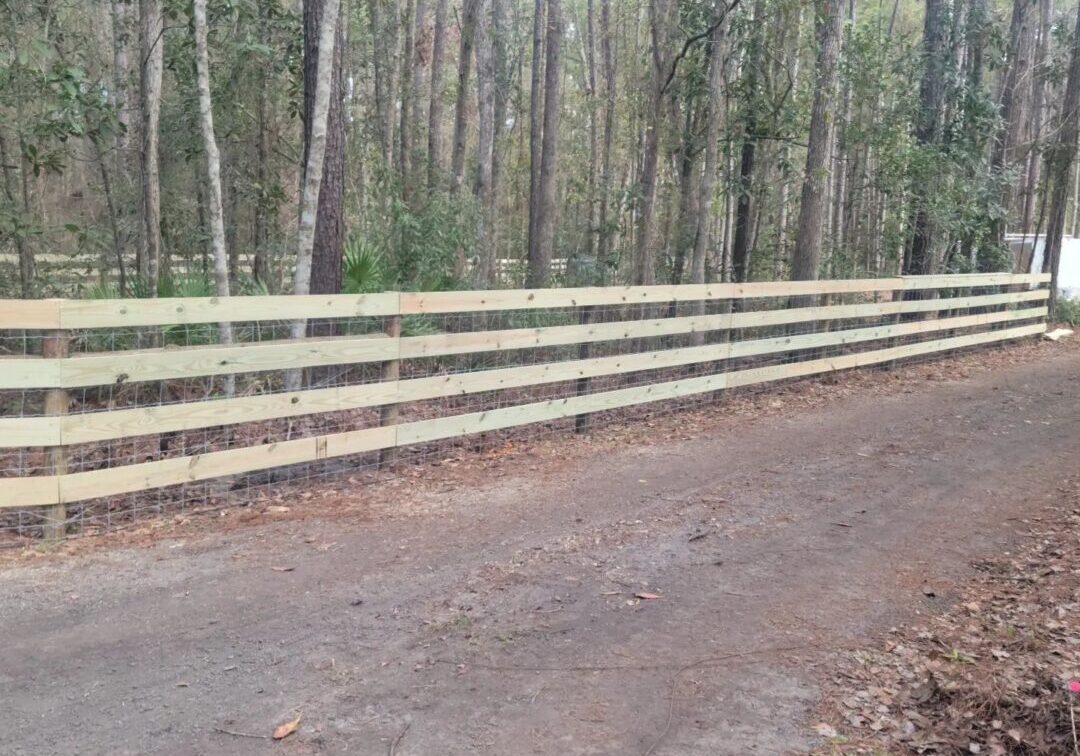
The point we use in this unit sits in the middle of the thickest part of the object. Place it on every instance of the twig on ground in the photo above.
(400, 735)
(235, 734)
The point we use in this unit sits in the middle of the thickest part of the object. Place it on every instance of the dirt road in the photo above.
(502, 619)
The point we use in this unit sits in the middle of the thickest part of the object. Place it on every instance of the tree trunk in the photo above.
(660, 12)
(919, 259)
(26, 254)
(603, 253)
(540, 264)
(1010, 108)
(536, 126)
(213, 173)
(317, 127)
(329, 240)
(812, 210)
(713, 121)
(1060, 163)
(435, 106)
(485, 81)
(151, 47)
(468, 34)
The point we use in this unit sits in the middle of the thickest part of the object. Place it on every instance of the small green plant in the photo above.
(364, 269)
(1068, 311)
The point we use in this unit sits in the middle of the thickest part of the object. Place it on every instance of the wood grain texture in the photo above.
(102, 426)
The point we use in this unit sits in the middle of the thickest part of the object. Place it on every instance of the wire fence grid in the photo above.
(20, 525)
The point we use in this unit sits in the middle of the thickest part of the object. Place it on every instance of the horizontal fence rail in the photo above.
(103, 400)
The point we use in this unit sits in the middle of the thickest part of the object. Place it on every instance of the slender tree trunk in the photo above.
(261, 232)
(485, 80)
(919, 258)
(435, 107)
(468, 35)
(383, 66)
(1038, 93)
(313, 168)
(1010, 108)
(536, 128)
(213, 173)
(151, 47)
(329, 244)
(408, 81)
(713, 122)
(1060, 163)
(26, 254)
(604, 250)
(660, 13)
(502, 91)
(808, 241)
(540, 265)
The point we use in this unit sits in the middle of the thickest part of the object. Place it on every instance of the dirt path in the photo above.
(502, 619)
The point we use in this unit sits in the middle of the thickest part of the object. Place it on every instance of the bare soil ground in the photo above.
(679, 586)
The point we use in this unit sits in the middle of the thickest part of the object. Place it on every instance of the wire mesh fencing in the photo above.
(160, 419)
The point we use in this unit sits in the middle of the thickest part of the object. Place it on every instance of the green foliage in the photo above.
(364, 268)
(1068, 311)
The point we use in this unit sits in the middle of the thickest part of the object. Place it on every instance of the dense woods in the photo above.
(161, 147)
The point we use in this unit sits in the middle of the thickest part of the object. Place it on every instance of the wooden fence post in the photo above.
(56, 345)
(391, 371)
(581, 422)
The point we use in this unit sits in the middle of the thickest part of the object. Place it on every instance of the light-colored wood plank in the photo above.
(29, 372)
(101, 426)
(97, 483)
(127, 313)
(528, 299)
(187, 362)
(480, 422)
(31, 314)
(21, 432)
(968, 280)
(37, 491)
(167, 418)
(436, 345)
(129, 478)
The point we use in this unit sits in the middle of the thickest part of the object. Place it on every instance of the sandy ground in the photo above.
(680, 594)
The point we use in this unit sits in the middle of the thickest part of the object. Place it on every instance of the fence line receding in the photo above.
(111, 405)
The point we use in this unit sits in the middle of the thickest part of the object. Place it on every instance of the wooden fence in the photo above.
(82, 361)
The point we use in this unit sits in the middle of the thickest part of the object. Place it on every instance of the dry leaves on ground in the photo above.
(990, 676)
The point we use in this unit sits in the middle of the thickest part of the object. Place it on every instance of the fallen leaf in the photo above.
(283, 569)
(646, 596)
(287, 729)
(825, 731)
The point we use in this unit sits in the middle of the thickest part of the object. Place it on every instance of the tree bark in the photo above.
(329, 240)
(660, 12)
(313, 168)
(713, 122)
(485, 81)
(151, 47)
(213, 173)
(919, 259)
(468, 35)
(1060, 163)
(603, 252)
(812, 210)
(536, 125)
(435, 106)
(540, 264)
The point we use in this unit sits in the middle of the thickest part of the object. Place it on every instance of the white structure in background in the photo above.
(1028, 252)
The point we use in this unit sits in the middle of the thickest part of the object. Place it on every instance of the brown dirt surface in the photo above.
(991, 675)
(678, 585)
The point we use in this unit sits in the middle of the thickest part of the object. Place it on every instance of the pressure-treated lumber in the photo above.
(479, 422)
(56, 345)
(101, 426)
(31, 314)
(189, 362)
(117, 480)
(107, 482)
(127, 313)
(436, 345)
